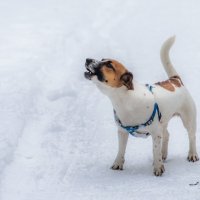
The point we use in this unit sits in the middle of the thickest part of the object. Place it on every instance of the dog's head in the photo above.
(108, 72)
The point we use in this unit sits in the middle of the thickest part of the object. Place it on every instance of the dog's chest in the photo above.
(139, 130)
(133, 113)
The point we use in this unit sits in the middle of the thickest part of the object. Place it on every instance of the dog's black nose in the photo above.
(88, 61)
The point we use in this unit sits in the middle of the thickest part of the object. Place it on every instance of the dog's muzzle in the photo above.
(91, 66)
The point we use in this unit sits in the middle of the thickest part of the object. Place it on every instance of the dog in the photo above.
(143, 110)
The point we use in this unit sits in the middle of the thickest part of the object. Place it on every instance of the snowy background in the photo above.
(57, 133)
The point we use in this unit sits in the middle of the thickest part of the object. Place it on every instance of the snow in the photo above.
(57, 133)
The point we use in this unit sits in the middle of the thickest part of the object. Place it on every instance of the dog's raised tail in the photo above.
(164, 55)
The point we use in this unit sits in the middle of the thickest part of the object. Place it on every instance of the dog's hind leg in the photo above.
(165, 141)
(188, 117)
(119, 161)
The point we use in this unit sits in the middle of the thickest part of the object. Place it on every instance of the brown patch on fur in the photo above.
(167, 85)
(176, 80)
(117, 76)
(171, 84)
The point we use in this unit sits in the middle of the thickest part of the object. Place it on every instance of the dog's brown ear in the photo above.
(127, 79)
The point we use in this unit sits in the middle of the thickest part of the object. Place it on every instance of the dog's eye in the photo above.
(109, 65)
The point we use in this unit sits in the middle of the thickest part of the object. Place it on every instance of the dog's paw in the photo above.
(193, 157)
(158, 171)
(118, 164)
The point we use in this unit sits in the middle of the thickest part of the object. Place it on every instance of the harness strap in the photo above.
(133, 129)
(150, 87)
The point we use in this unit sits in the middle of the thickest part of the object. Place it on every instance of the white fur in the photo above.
(164, 55)
(134, 107)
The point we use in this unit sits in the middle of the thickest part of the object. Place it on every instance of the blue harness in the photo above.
(133, 130)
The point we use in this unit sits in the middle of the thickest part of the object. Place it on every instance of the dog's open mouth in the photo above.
(90, 66)
(89, 74)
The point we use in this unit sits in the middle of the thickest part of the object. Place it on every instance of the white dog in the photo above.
(143, 110)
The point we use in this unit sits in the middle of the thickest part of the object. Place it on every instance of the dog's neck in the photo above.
(121, 97)
(130, 105)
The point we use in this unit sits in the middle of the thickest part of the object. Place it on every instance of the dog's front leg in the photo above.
(119, 161)
(157, 152)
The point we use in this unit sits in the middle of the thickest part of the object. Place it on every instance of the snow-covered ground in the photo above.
(57, 133)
